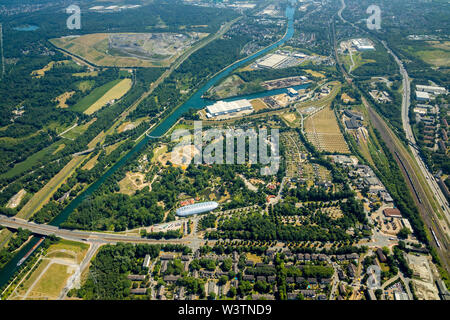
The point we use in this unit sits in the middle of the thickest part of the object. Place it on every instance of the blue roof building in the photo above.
(196, 208)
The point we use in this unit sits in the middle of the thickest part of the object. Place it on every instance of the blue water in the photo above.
(27, 28)
(196, 101)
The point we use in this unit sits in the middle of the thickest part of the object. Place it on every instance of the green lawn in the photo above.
(96, 94)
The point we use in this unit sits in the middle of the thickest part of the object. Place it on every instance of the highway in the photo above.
(76, 235)
(439, 196)
(405, 160)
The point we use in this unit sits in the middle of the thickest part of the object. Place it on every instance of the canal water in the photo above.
(196, 101)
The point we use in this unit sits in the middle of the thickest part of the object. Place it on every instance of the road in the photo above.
(76, 235)
(75, 279)
(67, 130)
(420, 198)
(404, 159)
(439, 196)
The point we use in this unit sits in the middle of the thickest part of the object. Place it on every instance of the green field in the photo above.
(31, 160)
(436, 53)
(358, 60)
(96, 94)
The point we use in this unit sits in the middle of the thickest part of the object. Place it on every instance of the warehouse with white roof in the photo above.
(222, 107)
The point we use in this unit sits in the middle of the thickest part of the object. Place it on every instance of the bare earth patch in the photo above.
(16, 199)
(63, 98)
(132, 182)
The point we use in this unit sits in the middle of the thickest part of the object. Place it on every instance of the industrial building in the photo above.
(392, 213)
(222, 107)
(292, 92)
(272, 61)
(356, 115)
(196, 208)
(363, 44)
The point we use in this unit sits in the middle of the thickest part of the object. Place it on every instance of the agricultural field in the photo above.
(78, 130)
(322, 130)
(113, 147)
(37, 74)
(84, 104)
(86, 74)
(115, 93)
(435, 53)
(315, 73)
(86, 85)
(91, 163)
(31, 160)
(129, 49)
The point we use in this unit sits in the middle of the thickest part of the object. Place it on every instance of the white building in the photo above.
(146, 261)
(271, 61)
(292, 92)
(422, 111)
(422, 96)
(407, 225)
(431, 89)
(223, 107)
(363, 44)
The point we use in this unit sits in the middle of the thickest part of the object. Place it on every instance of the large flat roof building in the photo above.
(200, 207)
(392, 213)
(223, 107)
(363, 44)
(272, 60)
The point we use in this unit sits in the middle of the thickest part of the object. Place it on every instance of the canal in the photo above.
(195, 101)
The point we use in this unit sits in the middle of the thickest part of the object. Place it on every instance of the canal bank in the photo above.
(194, 102)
